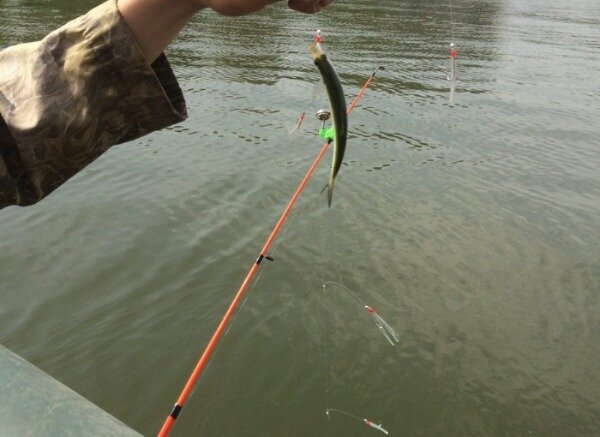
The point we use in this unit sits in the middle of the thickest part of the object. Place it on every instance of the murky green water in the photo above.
(468, 219)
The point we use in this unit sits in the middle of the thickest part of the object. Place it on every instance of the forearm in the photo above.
(68, 98)
(155, 23)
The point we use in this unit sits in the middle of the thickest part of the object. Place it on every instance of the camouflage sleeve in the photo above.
(68, 98)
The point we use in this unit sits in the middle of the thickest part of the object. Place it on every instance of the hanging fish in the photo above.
(337, 103)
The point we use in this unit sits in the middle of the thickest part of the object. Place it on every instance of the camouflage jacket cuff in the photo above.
(68, 98)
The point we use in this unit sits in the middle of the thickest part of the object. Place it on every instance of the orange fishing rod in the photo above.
(205, 357)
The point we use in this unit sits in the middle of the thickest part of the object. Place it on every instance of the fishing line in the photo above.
(343, 412)
(325, 336)
(451, 21)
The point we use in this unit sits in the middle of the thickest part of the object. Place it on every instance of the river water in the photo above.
(468, 215)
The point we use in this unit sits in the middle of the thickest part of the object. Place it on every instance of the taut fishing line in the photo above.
(451, 21)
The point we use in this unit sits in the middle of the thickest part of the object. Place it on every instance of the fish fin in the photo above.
(324, 188)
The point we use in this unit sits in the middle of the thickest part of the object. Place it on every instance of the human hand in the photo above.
(243, 7)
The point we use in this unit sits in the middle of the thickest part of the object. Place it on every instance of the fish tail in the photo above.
(330, 191)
